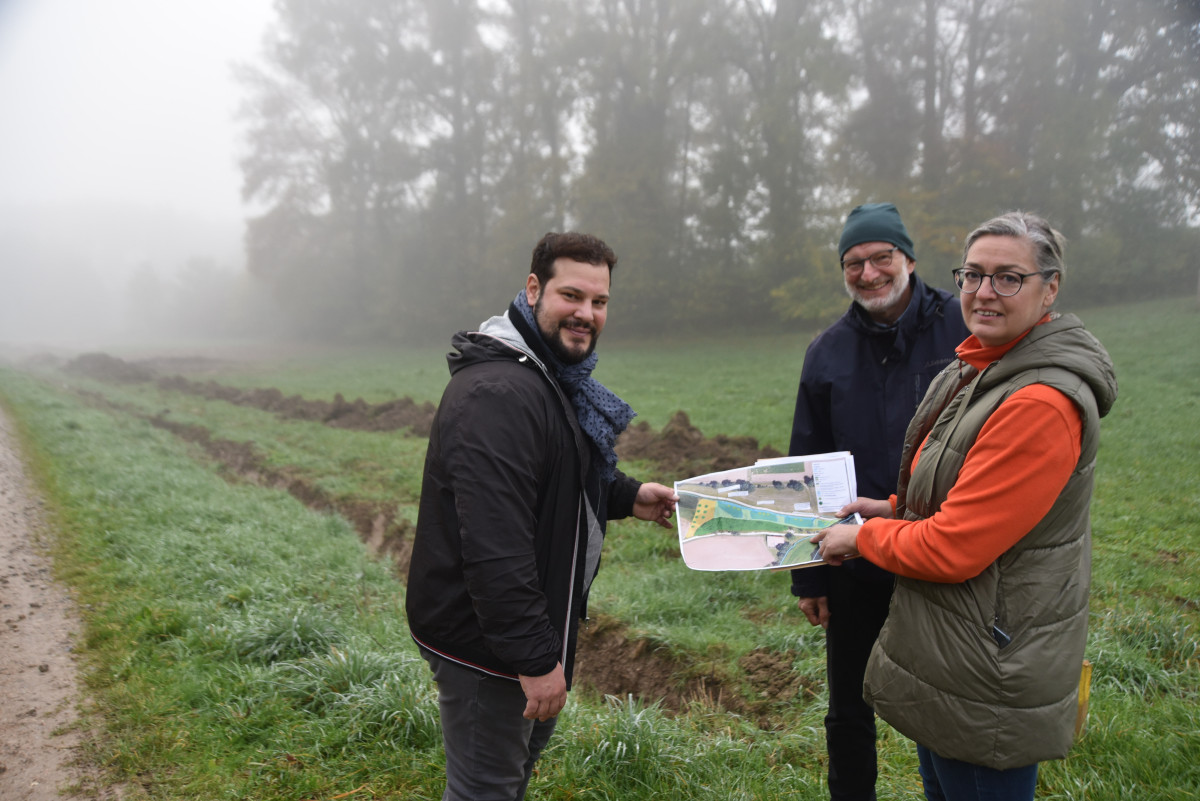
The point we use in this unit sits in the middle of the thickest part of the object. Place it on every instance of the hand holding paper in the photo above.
(762, 517)
(868, 508)
(836, 544)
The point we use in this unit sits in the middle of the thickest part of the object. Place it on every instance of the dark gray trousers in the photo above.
(490, 748)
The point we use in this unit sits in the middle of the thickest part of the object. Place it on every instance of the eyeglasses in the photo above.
(1004, 282)
(878, 260)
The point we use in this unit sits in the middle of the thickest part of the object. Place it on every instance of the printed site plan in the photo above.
(761, 517)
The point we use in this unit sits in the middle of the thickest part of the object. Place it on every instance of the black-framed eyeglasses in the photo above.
(878, 260)
(1004, 282)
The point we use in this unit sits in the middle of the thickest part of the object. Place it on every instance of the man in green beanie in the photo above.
(860, 385)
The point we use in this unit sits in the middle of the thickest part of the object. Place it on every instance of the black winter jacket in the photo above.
(496, 581)
(859, 387)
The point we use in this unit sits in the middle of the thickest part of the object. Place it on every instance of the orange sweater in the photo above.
(1011, 477)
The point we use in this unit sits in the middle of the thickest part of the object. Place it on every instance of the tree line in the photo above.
(406, 154)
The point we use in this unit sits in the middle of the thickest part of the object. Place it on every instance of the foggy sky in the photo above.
(127, 100)
(118, 147)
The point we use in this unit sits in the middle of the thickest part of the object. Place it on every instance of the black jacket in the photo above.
(496, 581)
(859, 386)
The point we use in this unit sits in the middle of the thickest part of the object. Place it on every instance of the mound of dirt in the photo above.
(340, 413)
(388, 416)
(680, 449)
(102, 367)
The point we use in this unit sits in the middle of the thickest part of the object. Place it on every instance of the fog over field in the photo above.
(354, 172)
(118, 156)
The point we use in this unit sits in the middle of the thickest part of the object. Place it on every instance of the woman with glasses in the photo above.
(989, 531)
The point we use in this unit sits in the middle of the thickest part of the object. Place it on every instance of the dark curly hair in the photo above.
(571, 245)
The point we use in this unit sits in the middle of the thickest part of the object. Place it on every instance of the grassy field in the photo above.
(242, 645)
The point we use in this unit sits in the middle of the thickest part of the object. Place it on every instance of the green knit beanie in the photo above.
(875, 222)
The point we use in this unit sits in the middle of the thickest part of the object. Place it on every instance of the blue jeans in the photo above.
(953, 780)
(490, 748)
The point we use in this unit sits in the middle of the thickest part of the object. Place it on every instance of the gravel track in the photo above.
(39, 746)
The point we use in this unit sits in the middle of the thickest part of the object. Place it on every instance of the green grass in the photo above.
(228, 628)
(344, 463)
(239, 645)
(313, 371)
(740, 387)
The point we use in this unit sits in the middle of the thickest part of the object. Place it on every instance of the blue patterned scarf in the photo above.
(601, 414)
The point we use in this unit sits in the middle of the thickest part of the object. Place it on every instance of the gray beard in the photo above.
(886, 302)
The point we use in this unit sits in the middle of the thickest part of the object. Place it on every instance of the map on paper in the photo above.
(761, 517)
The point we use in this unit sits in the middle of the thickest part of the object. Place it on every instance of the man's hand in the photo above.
(816, 610)
(655, 503)
(545, 695)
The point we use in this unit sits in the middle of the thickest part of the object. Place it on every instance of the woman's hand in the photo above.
(867, 507)
(837, 543)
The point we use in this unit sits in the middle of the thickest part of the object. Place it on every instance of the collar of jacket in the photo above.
(496, 337)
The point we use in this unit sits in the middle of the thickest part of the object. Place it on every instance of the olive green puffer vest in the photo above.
(987, 670)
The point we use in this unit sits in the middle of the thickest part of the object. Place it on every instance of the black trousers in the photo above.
(857, 610)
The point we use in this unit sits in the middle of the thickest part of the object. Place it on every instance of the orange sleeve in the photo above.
(1011, 477)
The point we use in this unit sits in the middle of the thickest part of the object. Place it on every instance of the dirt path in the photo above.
(38, 688)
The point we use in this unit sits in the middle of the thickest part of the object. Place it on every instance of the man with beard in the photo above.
(860, 385)
(520, 480)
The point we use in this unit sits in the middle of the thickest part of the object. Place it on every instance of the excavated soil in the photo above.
(680, 449)
(358, 414)
(610, 662)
